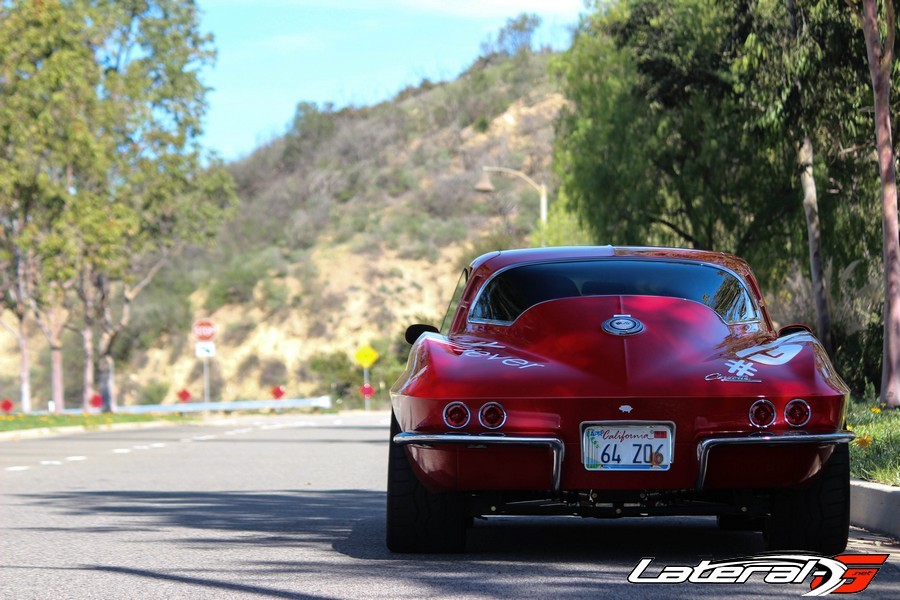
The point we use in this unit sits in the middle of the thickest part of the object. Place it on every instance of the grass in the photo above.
(90, 421)
(875, 453)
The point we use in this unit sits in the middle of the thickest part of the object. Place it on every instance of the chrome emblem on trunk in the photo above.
(623, 325)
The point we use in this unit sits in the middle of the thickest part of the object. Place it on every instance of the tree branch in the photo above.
(676, 229)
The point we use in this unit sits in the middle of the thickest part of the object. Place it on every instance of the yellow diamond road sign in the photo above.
(366, 356)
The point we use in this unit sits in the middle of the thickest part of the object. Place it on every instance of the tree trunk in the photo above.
(816, 264)
(25, 368)
(87, 336)
(881, 55)
(108, 383)
(57, 395)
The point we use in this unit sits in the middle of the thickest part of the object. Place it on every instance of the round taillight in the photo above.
(797, 412)
(762, 413)
(492, 415)
(456, 415)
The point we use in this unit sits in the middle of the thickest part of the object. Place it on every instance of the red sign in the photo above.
(183, 395)
(366, 390)
(278, 392)
(204, 330)
(6, 405)
(96, 401)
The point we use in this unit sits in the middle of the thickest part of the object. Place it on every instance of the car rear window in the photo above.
(513, 291)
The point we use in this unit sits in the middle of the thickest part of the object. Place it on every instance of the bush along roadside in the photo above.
(875, 453)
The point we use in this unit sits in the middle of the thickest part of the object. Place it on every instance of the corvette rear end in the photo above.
(615, 382)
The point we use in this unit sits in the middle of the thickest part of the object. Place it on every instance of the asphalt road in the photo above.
(293, 507)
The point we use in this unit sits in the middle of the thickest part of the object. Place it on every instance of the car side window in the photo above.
(454, 302)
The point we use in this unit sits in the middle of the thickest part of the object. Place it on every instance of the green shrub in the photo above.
(153, 393)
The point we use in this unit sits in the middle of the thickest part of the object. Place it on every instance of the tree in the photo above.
(47, 95)
(880, 54)
(654, 147)
(102, 166)
(151, 56)
(797, 78)
(311, 127)
(515, 38)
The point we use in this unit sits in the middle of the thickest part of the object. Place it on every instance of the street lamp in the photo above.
(484, 185)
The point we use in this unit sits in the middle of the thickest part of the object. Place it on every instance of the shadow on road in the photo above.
(352, 523)
(298, 537)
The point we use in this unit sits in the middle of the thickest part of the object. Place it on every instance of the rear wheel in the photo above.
(419, 520)
(816, 518)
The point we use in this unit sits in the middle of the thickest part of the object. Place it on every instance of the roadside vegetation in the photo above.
(875, 453)
(88, 421)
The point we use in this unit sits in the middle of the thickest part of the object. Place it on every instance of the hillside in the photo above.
(351, 226)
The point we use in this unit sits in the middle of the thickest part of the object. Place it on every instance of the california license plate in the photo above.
(627, 446)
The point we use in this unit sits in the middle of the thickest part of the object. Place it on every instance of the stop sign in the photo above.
(204, 330)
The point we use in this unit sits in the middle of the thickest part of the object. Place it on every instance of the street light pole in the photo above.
(484, 185)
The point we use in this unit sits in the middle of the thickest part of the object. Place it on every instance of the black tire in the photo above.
(816, 518)
(740, 523)
(419, 520)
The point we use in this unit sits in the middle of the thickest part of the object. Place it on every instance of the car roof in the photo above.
(495, 261)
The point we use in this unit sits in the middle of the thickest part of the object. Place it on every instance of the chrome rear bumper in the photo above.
(557, 447)
(482, 441)
(704, 447)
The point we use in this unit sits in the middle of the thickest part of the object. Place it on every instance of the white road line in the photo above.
(51, 462)
(141, 447)
(76, 458)
(17, 468)
(203, 438)
(122, 451)
(158, 445)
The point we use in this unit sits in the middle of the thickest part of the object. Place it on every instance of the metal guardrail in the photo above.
(185, 407)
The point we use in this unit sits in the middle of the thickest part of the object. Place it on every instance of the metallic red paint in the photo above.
(554, 369)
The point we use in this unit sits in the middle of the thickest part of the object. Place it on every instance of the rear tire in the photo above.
(419, 520)
(816, 518)
(740, 523)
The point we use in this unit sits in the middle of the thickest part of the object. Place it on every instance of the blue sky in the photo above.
(273, 54)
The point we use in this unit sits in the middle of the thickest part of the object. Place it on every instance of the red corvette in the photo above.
(616, 382)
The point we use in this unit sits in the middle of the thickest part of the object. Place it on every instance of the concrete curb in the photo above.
(875, 507)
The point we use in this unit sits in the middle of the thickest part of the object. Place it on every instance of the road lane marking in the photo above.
(51, 462)
(141, 447)
(17, 468)
(76, 458)
(158, 445)
(203, 438)
(122, 451)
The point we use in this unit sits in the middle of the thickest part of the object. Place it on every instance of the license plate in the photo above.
(627, 447)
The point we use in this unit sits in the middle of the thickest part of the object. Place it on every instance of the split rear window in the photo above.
(513, 291)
